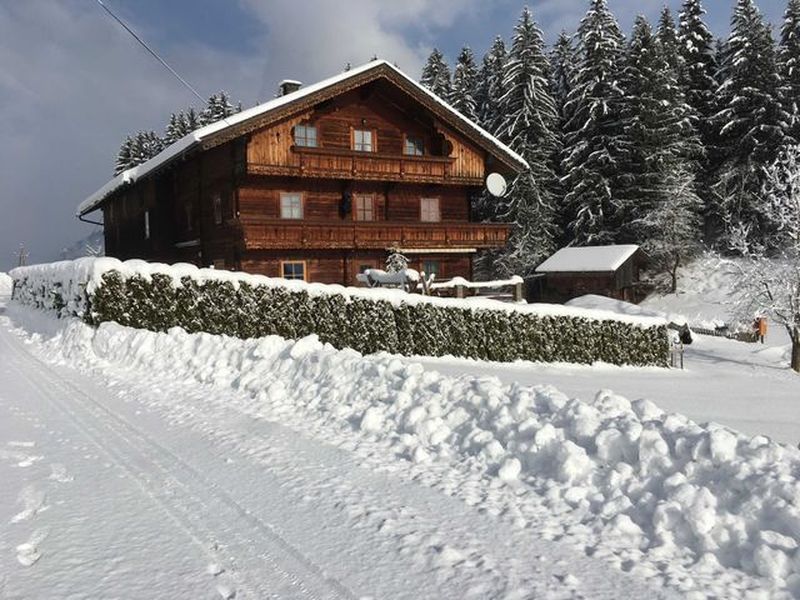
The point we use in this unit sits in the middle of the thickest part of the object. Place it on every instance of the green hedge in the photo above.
(372, 325)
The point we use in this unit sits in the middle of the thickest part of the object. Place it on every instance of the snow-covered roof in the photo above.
(194, 138)
(588, 259)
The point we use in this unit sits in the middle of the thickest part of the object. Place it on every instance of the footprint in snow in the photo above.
(28, 553)
(32, 501)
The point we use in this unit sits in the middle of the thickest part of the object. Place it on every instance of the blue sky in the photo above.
(72, 84)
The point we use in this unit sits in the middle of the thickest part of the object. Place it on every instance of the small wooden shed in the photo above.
(611, 271)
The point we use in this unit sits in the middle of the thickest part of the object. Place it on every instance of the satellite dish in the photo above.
(496, 184)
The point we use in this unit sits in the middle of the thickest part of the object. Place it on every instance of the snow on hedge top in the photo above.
(73, 276)
(190, 140)
(588, 259)
(6, 284)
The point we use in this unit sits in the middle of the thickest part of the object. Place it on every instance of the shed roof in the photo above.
(229, 127)
(588, 259)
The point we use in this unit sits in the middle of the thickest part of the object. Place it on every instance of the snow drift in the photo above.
(701, 508)
(6, 285)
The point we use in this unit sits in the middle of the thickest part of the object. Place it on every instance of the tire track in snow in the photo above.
(209, 515)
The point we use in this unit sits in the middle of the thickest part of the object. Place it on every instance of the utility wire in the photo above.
(151, 51)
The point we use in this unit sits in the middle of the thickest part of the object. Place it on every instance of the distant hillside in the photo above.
(92, 245)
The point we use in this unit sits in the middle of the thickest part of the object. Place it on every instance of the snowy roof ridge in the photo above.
(190, 140)
(588, 259)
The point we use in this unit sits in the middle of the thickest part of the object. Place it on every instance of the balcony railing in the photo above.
(284, 234)
(349, 164)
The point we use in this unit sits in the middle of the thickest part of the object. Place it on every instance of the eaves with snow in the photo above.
(259, 116)
(588, 259)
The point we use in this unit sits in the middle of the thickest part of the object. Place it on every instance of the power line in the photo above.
(150, 50)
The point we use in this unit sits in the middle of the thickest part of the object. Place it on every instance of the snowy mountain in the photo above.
(92, 245)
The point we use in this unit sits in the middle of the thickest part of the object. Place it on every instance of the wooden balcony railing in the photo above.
(284, 234)
(349, 164)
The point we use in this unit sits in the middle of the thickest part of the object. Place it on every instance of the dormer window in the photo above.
(363, 140)
(305, 136)
(413, 146)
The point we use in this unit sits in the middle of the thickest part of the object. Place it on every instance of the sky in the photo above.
(73, 84)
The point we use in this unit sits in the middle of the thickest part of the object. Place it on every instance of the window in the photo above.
(217, 201)
(413, 146)
(305, 135)
(291, 206)
(362, 140)
(294, 269)
(147, 224)
(364, 208)
(429, 210)
(431, 267)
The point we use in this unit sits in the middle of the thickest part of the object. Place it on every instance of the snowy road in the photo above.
(119, 485)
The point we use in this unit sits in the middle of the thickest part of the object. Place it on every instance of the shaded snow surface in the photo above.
(6, 285)
(698, 510)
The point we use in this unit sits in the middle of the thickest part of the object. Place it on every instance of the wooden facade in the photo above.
(322, 187)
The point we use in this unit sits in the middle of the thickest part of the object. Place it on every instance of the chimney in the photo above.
(287, 86)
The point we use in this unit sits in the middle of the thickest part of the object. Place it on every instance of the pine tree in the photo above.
(192, 120)
(494, 64)
(217, 108)
(660, 144)
(529, 125)
(562, 60)
(436, 75)
(752, 122)
(177, 127)
(593, 140)
(124, 156)
(697, 79)
(789, 58)
(465, 83)
(668, 39)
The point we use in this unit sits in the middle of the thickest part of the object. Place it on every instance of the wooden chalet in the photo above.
(611, 271)
(316, 184)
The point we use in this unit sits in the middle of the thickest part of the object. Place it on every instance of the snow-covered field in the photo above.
(270, 468)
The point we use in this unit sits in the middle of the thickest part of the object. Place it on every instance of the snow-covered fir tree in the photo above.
(659, 140)
(491, 80)
(593, 134)
(529, 126)
(562, 63)
(125, 158)
(218, 107)
(177, 127)
(192, 119)
(752, 122)
(789, 58)
(465, 83)
(697, 77)
(396, 261)
(436, 75)
(668, 39)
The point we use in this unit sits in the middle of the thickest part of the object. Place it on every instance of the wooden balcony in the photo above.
(284, 234)
(371, 166)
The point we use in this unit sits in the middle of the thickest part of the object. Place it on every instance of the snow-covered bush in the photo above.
(158, 297)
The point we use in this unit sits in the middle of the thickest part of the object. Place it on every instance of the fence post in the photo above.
(518, 292)
(459, 291)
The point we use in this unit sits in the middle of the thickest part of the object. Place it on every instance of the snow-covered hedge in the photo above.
(157, 297)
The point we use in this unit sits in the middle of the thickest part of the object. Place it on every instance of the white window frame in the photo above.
(430, 210)
(305, 140)
(147, 224)
(291, 205)
(363, 140)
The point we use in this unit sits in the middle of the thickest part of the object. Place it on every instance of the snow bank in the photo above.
(86, 274)
(6, 285)
(697, 507)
